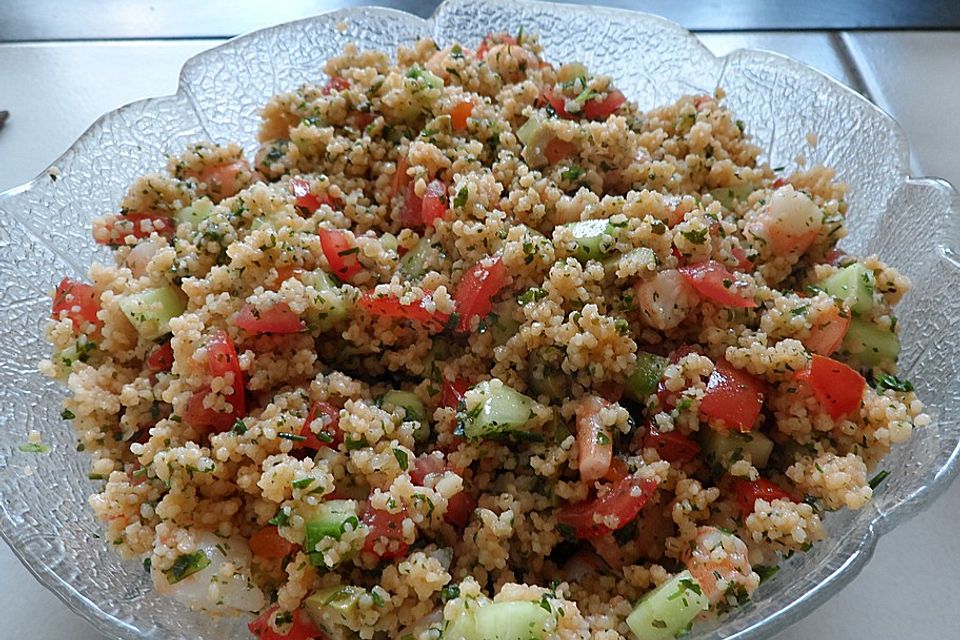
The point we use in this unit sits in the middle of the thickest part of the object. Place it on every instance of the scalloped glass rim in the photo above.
(892, 214)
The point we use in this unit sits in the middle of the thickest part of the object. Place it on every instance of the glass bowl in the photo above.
(44, 234)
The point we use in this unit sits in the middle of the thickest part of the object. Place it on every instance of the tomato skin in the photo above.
(549, 97)
(268, 543)
(619, 502)
(828, 332)
(361, 119)
(672, 446)
(459, 114)
(733, 396)
(335, 83)
(601, 109)
(161, 358)
(391, 307)
(129, 225)
(221, 359)
(837, 387)
(708, 279)
(279, 318)
(302, 627)
(618, 471)
(451, 392)
(743, 261)
(387, 526)
(558, 149)
(78, 301)
(476, 290)
(460, 506)
(748, 492)
(331, 430)
(341, 253)
(411, 216)
(400, 177)
(434, 204)
(307, 201)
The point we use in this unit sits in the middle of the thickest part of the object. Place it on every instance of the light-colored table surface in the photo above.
(55, 90)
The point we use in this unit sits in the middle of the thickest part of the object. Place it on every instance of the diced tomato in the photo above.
(451, 392)
(385, 528)
(492, 39)
(336, 83)
(558, 149)
(400, 177)
(131, 225)
(672, 446)
(341, 252)
(306, 200)
(330, 436)
(698, 101)
(459, 509)
(837, 387)
(549, 97)
(361, 119)
(743, 261)
(618, 471)
(714, 282)
(828, 332)
(302, 627)
(161, 358)
(834, 256)
(610, 390)
(220, 179)
(624, 501)
(434, 203)
(459, 114)
(391, 307)
(747, 493)
(268, 543)
(411, 215)
(285, 273)
(426, 465)
(601, 109)
(221, 360)
(733, 396)
(779, 182)
(279, 318)
(78, 301)
(477, 288)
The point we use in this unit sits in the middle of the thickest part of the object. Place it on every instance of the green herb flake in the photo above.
(877, 479)
(186, 565)
(239, 427)
(34, 447)
(378, 600)
(282, 517)
(402, 458)
(291, 436)
(892, 382)
(533, 294)
(460, 200)
(695, 237)
(449, 592)
(766, 573)
(799, 311)
(658, 624)
(572, 173)
(66, 414)
(302, 483)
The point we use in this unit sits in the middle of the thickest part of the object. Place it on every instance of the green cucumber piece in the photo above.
(195, 213)
(150, 310)
(417, 72)
(413, 409)
(413, 264)
(389, 242)
(501, 323)
(854, 285)
(332, 303)
(728, 195)
(641, 254)
(500, 410)
(723, 448)
(330, 519)
(334, 610)
(544, 374)
(645, 377)
(512, 621)
(594, 239)
(870, 344)
(535, 136)
(669, 609)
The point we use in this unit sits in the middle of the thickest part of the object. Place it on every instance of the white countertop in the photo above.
(55, 90)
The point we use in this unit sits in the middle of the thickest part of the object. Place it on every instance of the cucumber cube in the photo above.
(498, 409)
(854, 285)
(870, 344)
(150, 310)
(669, 609)
(594, 239)
(645, 377)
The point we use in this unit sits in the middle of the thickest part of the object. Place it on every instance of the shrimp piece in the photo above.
(594, 440)
(666, 299)
(789, 223)
(719, 561)
(141, 255)
(223, 180)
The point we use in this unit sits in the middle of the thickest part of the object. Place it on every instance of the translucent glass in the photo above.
(44, 234)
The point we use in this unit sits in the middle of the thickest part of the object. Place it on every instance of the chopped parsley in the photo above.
(34, 447)
(282, 517)
(239, 427)
(572, 173)
(66, 414)
(302, 483)
(892, 382)
(449, 592)
(460, 200)
(402, 458)
(532, 294)
(186, 565)
(877, 479)
(695, 237)
(291, 436)
(766, 573)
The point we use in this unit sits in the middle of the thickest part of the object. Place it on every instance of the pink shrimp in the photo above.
(719, 562)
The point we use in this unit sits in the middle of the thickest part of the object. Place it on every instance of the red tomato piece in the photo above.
(306, 200)
(714, 282)
(733, 396)
(747, 493)
(601, 109)
(828, 332)
(132, 225)
(385, 528)
(361, 119)
(779, 182)
(391, 307)
(341, 252)
(301, 628)
(335, 83)
(618, 471)
(459, 509)
(279, 318)
(78, 301)
(330, 436)
(426, 465)
(743, 261)
(558, 149)
(221, 360)
(400, 177)
(672, 446)
(268, 543)
(451, 392)
(220, 179)
(549, 97)
(161, 358)
(434, 203)
(492, 39)
(459, 114)
(624, 501)
(837, 387)
(411, 215)
(477, 288)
